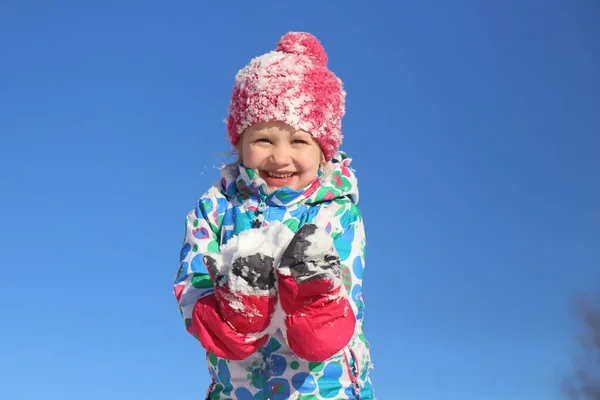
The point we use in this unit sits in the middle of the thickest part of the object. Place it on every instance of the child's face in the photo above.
(282, 155)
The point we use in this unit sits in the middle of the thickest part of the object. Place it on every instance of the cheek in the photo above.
(251, 158)
(310, 163)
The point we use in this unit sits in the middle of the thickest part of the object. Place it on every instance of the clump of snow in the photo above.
(317, 260)
(269, 242)
(272, 241)
(321, 243)
(279, 237)
(248, 242)
(284, 270)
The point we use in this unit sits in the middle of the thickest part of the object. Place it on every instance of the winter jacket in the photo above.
(239, 202)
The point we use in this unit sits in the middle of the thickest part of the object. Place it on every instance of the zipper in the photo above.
(260, 210)
(210, 389)
(353, 371)
(267, 387)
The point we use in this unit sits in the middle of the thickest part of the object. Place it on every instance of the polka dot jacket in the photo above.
(239, 202)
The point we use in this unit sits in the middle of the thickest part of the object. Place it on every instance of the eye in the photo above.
(262, 140)
(299, 141)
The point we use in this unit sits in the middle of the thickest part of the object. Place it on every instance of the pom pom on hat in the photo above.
(292, 85)
(304, 44)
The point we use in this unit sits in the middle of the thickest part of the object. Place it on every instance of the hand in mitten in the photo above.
(319, 319)
(231, 322)
(244, 290)
(217, 336)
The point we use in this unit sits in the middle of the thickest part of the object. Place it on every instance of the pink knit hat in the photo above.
(292, 85)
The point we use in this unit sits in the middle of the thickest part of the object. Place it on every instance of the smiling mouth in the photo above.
(279, 175)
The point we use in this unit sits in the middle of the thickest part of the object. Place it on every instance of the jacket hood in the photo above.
(335, 180)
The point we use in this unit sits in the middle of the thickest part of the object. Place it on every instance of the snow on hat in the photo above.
(291, 84)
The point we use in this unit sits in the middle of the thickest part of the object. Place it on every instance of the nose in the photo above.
(281, 155)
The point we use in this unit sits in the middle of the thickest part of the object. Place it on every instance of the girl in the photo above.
(272, 263)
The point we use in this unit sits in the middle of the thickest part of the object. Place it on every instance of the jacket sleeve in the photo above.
(348, 232)
(202, 232)
(322, 315)
(194, 288)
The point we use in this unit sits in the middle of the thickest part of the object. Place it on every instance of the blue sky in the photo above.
(475, 130)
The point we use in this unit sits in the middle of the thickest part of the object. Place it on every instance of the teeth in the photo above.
(273, 175)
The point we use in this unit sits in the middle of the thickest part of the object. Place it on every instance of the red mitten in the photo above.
(245, 291)
(319, 318)
(217, 336)
(232, 322)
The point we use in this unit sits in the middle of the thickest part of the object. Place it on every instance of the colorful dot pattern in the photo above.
(234, 205)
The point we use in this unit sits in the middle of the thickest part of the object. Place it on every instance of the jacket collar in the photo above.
(335, 180)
